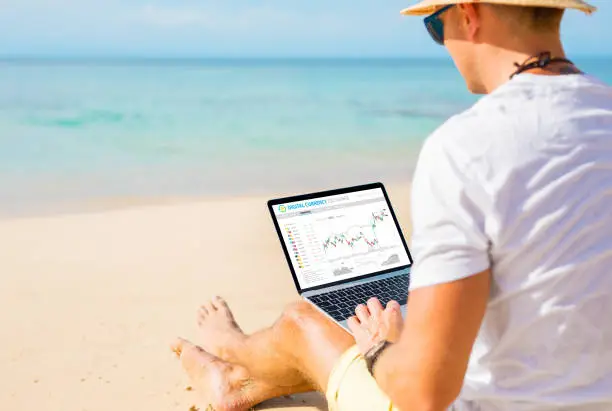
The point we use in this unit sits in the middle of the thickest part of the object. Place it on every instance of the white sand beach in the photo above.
(90, 302)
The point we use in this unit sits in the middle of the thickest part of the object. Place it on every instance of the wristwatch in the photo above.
(374, 353)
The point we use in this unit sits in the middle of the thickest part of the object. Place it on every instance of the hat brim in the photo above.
(427, 7)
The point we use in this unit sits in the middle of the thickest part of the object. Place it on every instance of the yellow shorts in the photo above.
(352, 388)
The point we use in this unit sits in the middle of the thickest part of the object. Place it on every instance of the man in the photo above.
(511, 294)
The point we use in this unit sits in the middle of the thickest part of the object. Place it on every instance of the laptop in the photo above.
(343, 247)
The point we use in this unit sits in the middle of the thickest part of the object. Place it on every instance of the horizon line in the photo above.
(126, 57)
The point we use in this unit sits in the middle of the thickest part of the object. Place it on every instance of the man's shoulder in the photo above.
(452, 146)
(473, 140)
(464, 131)
(494, 120)
(518, 110)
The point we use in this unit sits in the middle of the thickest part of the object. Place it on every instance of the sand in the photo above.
(90, 302)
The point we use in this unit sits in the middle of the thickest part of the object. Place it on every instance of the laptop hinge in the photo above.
(351, 284)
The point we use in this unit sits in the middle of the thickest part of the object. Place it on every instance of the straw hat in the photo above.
(426, 7)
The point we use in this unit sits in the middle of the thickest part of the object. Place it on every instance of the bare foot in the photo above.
(221, 385)
(374, 324)
(220, 332)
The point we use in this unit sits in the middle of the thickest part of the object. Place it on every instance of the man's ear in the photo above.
(470, 18)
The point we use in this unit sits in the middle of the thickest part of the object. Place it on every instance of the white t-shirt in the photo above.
(522, 183)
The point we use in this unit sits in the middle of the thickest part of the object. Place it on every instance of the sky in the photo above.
(243, 28)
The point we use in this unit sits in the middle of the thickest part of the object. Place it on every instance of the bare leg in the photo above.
(295, 355)
(300, 349)
(224, 386)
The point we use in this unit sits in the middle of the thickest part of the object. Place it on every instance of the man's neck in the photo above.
(500, 62)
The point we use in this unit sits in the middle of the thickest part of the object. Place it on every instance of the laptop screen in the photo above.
(339, 237)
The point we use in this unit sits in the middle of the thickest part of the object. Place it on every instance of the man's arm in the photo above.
(451, 275)
(425, 369)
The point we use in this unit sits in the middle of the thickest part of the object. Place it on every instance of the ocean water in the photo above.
(76, 132)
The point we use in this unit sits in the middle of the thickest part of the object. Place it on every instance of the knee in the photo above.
(298, 317)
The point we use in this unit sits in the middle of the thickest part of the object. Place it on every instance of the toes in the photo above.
(202, 314)
(182, 347)
(179, 345)
(220, 304)
(193, 358)
(363, 314)
(205, 310)
(375, 307)
(210, 307)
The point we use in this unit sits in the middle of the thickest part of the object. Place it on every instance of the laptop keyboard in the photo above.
(341, 304)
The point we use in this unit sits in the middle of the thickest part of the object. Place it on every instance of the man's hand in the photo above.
(373, 324)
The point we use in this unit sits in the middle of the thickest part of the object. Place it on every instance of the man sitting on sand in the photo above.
(510, 305)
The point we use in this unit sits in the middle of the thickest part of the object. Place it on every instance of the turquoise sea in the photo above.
(77, 132)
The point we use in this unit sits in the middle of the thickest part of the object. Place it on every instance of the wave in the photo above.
(417, 113)
(81, 120)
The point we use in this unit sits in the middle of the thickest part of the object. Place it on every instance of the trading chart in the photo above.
(336, 240)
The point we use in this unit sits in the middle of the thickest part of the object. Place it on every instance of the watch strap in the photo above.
(373, 354)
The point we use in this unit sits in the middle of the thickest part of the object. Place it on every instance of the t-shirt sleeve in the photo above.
(449, 241)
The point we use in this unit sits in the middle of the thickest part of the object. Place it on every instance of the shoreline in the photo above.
(19, 210)
(65, 189)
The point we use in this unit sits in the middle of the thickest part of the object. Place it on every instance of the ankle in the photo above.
(231, 350)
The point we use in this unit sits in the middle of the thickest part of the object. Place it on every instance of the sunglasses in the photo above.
(435, 26)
